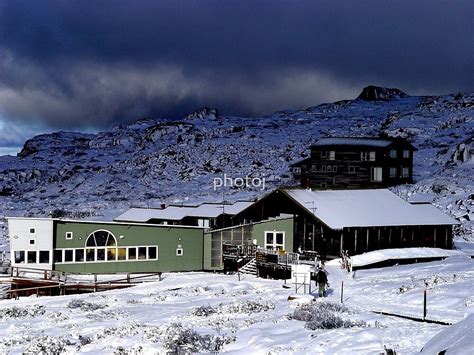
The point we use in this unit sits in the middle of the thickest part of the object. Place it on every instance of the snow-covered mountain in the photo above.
(154, 161)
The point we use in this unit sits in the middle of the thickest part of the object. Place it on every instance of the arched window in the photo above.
(101, 238)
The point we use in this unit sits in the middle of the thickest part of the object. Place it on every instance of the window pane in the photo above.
(269, 238)
(44, 256)
(79, 255)
(111, 254)
(19, 257)
(151, 252)
(111, 241)
(101, 238)
(406, 154)
(91, 241)
(58, 256)
(142, 253)
(90, 254)
(122, 253)
(372, 156)
(279, 238)
(393, 153)
(32, 257)
(68, 255)
(100, 254)
(132, 253)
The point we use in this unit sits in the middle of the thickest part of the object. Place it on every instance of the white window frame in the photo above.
(352, 169)
(49, 256)
(204, 222)
(324, 154)
(127, 254)
(393, 153)
(36, 258)
(179, 252)
(406, 154)
(332, 155)
(364, 156)
(372, 156)
(329, 169)
(376, 174)
(68, 235)
(274, 245)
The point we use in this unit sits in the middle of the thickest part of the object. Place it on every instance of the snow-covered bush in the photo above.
(323, 315)
(85, 306)
(22, 312)
(47, 345)
(131, 351)
(180, 338)
(247, 307)
(203, 311)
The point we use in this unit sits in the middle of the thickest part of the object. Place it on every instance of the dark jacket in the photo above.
(321, 277)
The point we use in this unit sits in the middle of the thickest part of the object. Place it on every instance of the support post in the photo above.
(342, 291)
(342, 242)
(378, 238)
(412, 236)
(367, 244)
(434, 237)
(446, 242)
(424, 304)
(304, 233)
(355, 241)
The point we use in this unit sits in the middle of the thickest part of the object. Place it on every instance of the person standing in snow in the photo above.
(321, 280)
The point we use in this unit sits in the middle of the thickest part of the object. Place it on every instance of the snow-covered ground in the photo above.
(207, 312)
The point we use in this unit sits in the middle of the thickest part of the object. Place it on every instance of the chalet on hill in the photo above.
(358, 221)
(345, 162)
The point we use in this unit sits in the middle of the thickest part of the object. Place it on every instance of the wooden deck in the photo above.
(27, 282)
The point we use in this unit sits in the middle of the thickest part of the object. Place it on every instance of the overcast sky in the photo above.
(90, 64)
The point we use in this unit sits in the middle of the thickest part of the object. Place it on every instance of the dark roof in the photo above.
(299, 163)
(360, 141)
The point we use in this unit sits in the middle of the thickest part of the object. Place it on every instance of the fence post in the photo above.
(424, 303)
(342, 291)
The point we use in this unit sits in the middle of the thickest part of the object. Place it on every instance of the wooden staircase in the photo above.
(250, 268)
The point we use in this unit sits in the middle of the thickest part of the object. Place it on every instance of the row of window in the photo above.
(365, 156)
(32, 257)
(394, 154)
(90, 255)
(376, 173)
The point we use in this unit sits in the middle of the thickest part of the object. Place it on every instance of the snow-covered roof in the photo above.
(376, 256)
(340, 209)
(177, 213)
(421, 198)
(366, 142)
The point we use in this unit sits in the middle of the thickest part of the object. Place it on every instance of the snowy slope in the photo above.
(214, 312)
(152, 161)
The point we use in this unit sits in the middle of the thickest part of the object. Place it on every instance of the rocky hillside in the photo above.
(152, 161)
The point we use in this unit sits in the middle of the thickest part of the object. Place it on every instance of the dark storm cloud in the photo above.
(69, 64)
